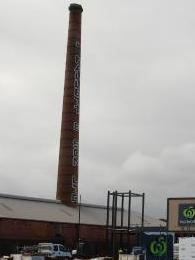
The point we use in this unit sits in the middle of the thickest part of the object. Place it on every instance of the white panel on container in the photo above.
(187, 248)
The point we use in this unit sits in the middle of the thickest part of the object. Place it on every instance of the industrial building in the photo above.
(25, 220)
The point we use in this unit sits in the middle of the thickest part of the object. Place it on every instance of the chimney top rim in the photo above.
(75, 7)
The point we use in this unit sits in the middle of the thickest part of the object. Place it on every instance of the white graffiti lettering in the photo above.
(75, 142)
(76, 83)
(74, 195)
(76, 126)
(75, 153)
(77, 44)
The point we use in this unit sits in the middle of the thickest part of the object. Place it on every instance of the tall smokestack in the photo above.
(67, 185)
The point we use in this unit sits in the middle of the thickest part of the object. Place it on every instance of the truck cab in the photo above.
(54, 250)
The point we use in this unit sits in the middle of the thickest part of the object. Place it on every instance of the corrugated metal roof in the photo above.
(27, 208)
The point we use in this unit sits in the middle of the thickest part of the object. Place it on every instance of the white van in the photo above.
(54, 250)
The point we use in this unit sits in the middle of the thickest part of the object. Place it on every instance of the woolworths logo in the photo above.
(189, 213)
(158, 247)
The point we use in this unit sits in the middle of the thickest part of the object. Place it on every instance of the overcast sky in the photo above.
(137, 127)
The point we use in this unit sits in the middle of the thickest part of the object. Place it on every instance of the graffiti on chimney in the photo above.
(76, 126)
(75, 155)
(75, 142)
(74, 195)
(76, 83)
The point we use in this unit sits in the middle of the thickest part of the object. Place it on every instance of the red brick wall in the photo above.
(11, 229)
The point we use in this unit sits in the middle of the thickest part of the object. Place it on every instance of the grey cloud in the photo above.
(137, 97)
(171, 173)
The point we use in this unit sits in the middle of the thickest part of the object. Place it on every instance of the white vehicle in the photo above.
(54, 250)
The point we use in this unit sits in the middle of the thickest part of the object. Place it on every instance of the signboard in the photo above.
(181, 214)
(186, 214)
(158, 246)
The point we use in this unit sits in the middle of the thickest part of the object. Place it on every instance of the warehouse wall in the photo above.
(29, 230)
(17, 232)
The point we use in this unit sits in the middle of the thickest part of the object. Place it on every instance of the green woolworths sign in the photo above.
(186, 214)
(158, 247)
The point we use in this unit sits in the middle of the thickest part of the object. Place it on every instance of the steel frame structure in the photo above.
(115, 225)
